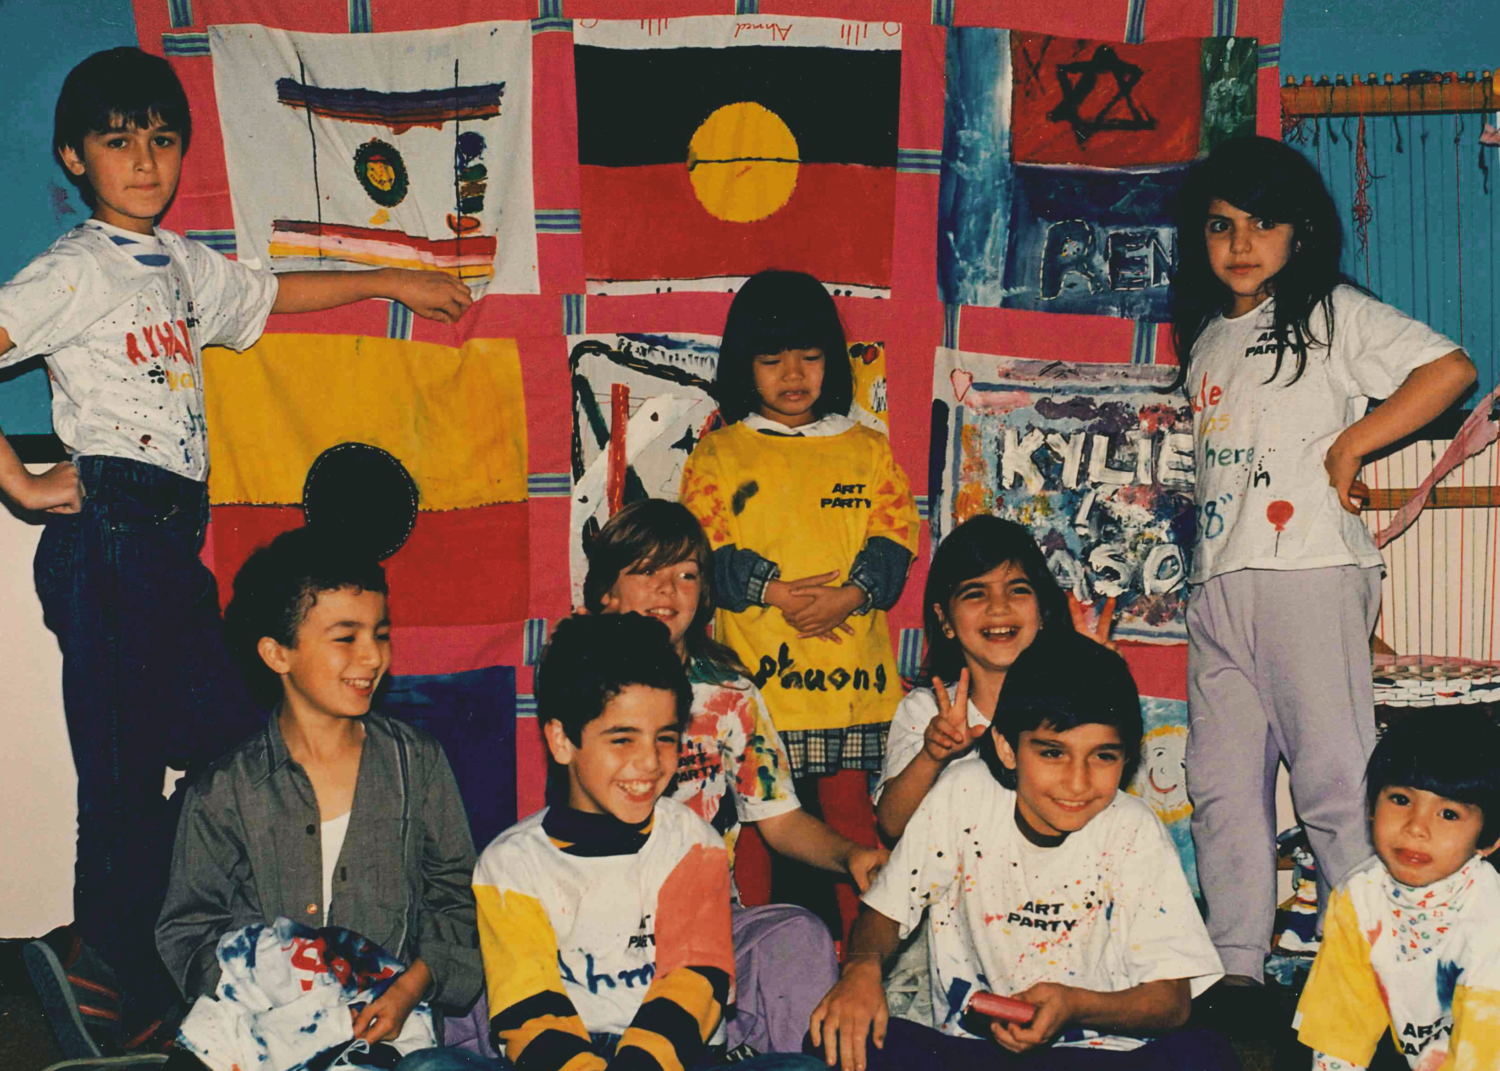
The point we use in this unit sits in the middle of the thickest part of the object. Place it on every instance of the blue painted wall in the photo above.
(43, 40)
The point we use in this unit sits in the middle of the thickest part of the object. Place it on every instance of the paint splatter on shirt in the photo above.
(1423, 963)
(733, 767)
(1107, 909)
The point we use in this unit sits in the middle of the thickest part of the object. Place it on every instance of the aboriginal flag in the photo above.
(701, 164)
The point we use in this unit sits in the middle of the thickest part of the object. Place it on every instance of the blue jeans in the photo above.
(464, 1060)
(146, 685)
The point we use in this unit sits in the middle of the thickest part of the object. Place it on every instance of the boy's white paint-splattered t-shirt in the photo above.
(1423, 963)
(1262, 492)
(908, 732)
(123, 318)
(1107, 909)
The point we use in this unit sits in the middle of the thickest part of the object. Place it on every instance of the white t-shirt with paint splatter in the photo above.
(1262, 492)
(1106, 910)
(123, 318)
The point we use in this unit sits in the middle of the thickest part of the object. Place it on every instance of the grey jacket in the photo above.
(249, 848)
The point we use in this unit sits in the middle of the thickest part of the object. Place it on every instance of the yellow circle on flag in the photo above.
(743, 162)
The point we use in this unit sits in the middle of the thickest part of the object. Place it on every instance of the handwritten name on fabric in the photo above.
(408, 150)
(1095, 459)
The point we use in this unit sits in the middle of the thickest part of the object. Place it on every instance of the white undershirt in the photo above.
(333, 842)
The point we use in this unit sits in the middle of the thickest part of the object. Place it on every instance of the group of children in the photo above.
(606, 930)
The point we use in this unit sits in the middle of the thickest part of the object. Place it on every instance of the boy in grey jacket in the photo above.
(332, 814)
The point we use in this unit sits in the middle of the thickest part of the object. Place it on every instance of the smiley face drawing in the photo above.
(1161, 779)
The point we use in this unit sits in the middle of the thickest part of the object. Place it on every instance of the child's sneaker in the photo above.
(78, 992)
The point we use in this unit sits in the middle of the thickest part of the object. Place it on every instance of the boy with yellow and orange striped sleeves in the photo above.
(604, 919)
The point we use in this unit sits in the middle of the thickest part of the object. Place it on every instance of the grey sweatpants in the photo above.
(1278, 666)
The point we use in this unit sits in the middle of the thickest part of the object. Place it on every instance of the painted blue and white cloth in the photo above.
(1107, 909)
(285, 994)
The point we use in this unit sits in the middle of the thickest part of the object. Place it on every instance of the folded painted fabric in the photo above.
(285, 995)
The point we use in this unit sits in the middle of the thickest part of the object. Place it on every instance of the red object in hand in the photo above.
(1006, 1009)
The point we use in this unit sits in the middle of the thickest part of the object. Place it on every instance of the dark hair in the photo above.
(1272, 181)
(1452, 752)
(972, 549)
(276, 588)
(776, 311)
(592, 659)
(1064, 680)
(643, 537)
(119, 86)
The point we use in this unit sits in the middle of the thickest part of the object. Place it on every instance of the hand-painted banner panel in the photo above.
(1095, 459)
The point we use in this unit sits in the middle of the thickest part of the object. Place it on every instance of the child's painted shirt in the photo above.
(123, 319)
(1262, 491)
(809, 504)
(583, 929)
(1423, 963)
(732, 767)
(908, 734)
(1106, 910)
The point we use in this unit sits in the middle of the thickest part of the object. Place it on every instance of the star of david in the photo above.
(1119, 112)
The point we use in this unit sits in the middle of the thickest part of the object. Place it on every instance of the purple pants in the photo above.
(784, 964)
(911, 1045)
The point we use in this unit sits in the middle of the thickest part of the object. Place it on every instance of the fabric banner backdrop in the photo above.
(1037, 209)
(712, 147)
(638, 158)
(408, 150)
(1096, 460)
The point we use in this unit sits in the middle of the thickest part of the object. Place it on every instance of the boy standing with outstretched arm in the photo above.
(122, 310)
(1039, 880)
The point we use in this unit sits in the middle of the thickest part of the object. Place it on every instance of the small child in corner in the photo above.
(1411, 943)
(604, 919)
(1036, 878)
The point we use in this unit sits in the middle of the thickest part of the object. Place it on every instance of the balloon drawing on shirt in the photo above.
(1278, 513)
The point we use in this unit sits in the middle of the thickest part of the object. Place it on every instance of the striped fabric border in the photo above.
(185, 44)
(747, 7)
(551, 25)
(919, 161)
(1270, 55)
(525, 706)
(1144, 350)
(942, 12)
(549, 9)
(180, 12)
(398, 324)
(573, 314)
(359, 17)
(924, 505)
(219, 241)
(909, 653)
(1135, 22)
(558, 220)
(536, 639)
(549, 484)
(1226, 15)
(950, 325)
